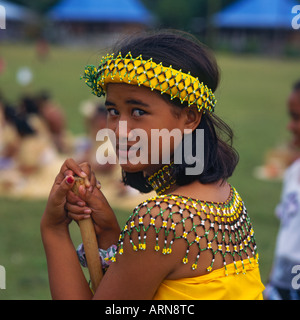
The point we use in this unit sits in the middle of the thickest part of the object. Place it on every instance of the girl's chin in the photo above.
(132, 168)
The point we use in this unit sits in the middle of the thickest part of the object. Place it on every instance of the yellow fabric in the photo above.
(215, 285)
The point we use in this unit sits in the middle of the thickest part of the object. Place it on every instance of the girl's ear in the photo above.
(193, 117)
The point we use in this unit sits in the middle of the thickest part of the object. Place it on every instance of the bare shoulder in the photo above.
(200, 235)
(143, 259)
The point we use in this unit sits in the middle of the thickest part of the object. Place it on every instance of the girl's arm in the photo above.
(138, 271)
(66, 278)
(135, 274)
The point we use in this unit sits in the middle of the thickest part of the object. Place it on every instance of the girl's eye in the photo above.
(138, 112)
(112, 112)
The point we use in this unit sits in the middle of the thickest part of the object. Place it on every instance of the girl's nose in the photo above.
(122, 130)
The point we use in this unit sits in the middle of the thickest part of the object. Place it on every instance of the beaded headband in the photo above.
(155, 76)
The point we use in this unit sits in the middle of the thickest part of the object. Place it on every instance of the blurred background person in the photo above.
(55, 120)
(29, 109)
(34, 150)
(9, 138)
(42, 48)
(95, 118)
(30, 158)
(2, 65)
(287, 252)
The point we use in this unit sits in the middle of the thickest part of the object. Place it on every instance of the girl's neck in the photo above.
(162, 178)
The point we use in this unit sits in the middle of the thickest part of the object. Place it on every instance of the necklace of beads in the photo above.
(221, 228)
(162, 180)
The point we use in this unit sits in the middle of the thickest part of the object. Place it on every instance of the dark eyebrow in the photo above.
(129, 101)
(108, 103)
(136, 102)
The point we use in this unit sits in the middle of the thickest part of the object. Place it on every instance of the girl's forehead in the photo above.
(124, 87)
(122, 90)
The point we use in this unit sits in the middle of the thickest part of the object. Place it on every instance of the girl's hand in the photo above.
(83, 170)
(94, 204)
(55, 214)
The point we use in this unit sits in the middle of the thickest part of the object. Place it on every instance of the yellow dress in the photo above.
(223, 230)
(216, 286)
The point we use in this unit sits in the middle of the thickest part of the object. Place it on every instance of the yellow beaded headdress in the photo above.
(137, 71)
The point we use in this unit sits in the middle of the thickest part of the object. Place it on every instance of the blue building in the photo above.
(17, 20)
(90, 20)
(261, 23)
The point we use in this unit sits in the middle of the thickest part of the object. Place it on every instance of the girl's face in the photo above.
(294, 112)
(132, 112)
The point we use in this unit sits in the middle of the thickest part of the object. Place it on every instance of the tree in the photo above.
(182, 14)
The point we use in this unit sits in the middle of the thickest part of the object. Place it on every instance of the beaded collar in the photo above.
(222, 228)
(163, 179)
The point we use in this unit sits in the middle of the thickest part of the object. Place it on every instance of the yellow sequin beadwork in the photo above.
(136, 71)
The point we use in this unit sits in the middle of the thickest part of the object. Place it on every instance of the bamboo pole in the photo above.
(90, 244)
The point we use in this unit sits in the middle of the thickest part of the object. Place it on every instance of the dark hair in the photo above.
(10, 113)
(296, 86)
(185, 52)
(29, 105)
(24, 128)
(18, 121)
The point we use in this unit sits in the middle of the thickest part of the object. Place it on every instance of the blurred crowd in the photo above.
(32, 138)
(35, 141)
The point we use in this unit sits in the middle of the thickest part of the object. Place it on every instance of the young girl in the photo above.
(194, 240)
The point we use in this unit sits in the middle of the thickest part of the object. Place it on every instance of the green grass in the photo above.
(21, 249)
(251, 99)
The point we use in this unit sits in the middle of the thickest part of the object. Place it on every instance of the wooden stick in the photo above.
(90, 244)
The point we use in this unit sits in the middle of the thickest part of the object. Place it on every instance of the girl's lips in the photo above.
(126, 147)
(123, 150)
(122, 153)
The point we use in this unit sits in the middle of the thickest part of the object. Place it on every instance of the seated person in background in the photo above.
(29, 109)
(55, 120)
(9, 138)
(95, 121)
(34, 161)
(283, 284)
